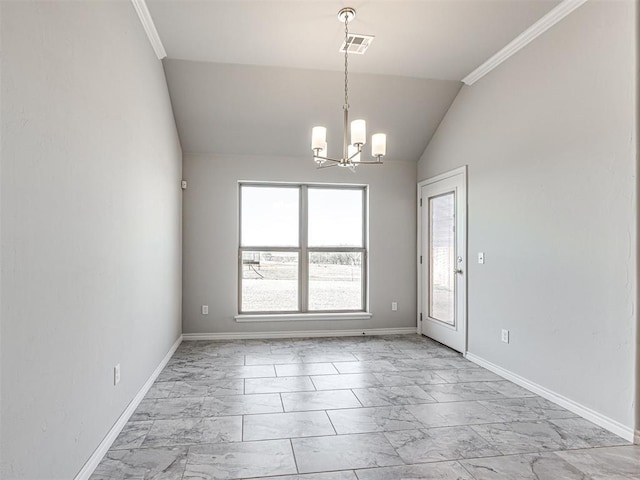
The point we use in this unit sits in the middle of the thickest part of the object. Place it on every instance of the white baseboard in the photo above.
(605, 422)
(297, 334)
(111, 436)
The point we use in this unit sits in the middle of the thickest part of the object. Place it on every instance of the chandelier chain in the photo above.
(346, 62)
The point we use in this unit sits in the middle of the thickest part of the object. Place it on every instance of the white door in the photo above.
(442, 259)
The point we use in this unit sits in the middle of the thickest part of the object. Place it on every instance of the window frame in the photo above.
(303, 250)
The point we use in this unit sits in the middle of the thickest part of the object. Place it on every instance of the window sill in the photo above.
(288, 317)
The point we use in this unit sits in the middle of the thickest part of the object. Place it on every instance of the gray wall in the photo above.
(549, 137)
(91, 245)
(210, 239)
(637, 77)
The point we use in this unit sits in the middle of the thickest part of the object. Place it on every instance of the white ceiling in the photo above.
(291, 80)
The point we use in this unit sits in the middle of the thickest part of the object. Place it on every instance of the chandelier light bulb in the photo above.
(379, 145)
(358, 132)
(318, 138)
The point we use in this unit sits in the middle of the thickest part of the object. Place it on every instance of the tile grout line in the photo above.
(186, 463)
(335, 430)
(293, 452)
(465, 468)
(357, 398)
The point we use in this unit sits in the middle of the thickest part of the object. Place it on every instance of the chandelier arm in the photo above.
(355, 154)
(321, 167)
(328, 159)
(369, 162)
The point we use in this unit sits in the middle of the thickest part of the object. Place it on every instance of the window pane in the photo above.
(335, 217)
(269, 281)
(269, 216)
(441, 258)
(335, 281)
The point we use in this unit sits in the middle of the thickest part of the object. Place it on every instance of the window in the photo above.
(302, 248)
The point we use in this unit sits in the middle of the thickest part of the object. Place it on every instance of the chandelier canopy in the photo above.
(350, 151)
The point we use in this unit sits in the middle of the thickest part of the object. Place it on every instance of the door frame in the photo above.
(421, 267)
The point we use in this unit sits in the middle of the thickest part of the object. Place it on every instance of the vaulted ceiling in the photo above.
(253, 77)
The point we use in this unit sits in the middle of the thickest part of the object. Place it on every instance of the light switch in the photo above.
(481, 257)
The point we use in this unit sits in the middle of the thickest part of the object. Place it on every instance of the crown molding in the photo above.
(563, 9)
(149, 27)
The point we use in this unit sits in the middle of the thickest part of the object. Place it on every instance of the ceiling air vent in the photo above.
(356, 43)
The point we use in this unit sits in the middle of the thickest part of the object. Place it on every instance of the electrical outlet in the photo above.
(116, 374)
(205, 309)
(505, 335)
(394, 306)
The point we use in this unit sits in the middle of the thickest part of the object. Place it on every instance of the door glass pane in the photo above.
(441, 258)
(335, 281)
(335, 217)
(269, 216)
(269, 281)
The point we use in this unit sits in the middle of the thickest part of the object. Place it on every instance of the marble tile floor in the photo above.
(352, 408)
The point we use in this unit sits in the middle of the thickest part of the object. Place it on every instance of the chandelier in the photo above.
(350, 152)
